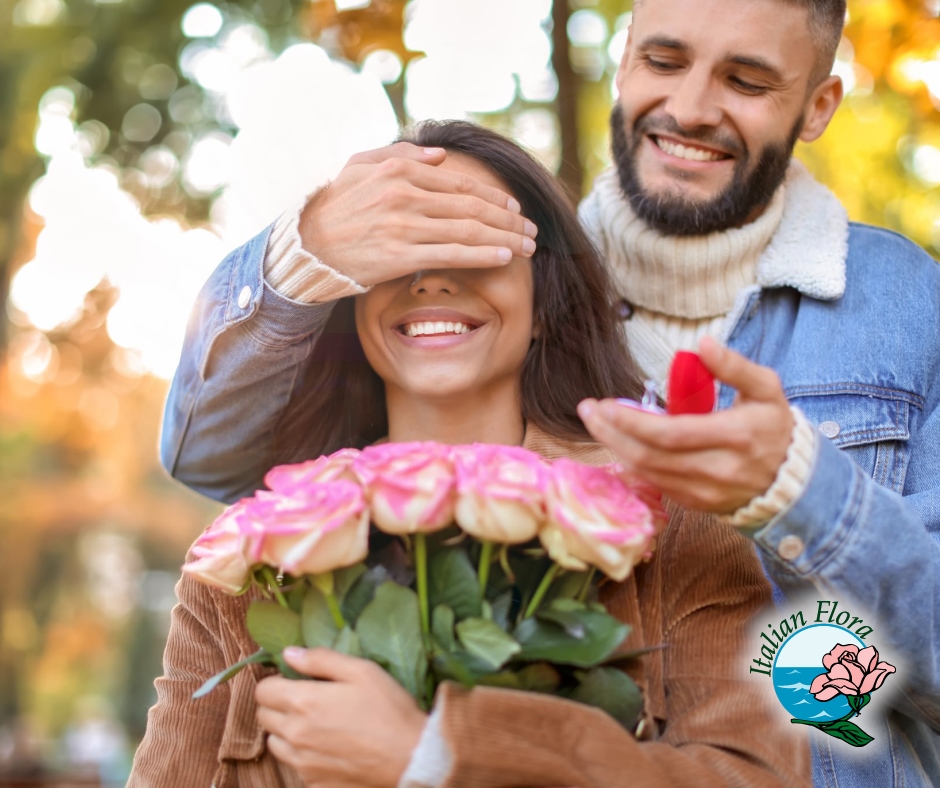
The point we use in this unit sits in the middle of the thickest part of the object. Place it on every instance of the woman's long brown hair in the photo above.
(579, 351)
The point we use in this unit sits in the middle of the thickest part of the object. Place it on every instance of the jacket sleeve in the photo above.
(877, 552)
(182, 743)
(720, 727)
(244, 349)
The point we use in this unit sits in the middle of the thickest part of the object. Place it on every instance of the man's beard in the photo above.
(675, 214)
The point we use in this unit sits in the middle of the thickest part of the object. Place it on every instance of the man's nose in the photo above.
(436, 280)
(693, 102)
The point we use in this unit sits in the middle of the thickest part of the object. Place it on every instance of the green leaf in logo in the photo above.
(849, 732)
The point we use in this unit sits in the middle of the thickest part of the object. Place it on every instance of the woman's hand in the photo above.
(354, 727)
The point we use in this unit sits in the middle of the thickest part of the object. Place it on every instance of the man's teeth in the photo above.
(689, 154)
(423, 329)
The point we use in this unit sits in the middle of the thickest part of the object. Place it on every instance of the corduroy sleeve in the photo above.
(181, 745)
(719, 729)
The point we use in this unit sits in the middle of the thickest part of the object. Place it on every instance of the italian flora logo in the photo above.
(824, 676)
(823, 672)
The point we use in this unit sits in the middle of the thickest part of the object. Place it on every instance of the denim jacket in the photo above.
(864, 366)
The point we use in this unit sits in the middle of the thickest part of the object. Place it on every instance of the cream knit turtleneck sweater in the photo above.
(681, 288)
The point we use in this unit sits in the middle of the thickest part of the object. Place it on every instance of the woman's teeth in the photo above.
(425, 329)
(688, 153)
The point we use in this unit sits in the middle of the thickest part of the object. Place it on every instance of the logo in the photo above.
(823, 671)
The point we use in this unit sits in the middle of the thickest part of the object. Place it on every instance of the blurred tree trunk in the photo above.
(570, 172)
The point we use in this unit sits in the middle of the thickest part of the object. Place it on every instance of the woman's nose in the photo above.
(433, 281)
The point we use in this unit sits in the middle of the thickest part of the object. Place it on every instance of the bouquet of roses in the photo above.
(469, 563)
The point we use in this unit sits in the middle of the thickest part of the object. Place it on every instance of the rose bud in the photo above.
(409, 486)
(594, 519)
(500, 492)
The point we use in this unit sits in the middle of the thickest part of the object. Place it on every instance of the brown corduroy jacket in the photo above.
(706, 721)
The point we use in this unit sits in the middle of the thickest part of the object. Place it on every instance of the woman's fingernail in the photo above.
(528, 245)
(433, 151)
(513, 205)
(504, 254)
(530, 229)
(293, 652)
(585, 409)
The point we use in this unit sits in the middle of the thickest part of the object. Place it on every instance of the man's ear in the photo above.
(821, 106)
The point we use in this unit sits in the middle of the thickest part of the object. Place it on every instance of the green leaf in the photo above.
(548, 641)
(361, 593)
(273, 627)
(390, 631)
(610, 690)
(461, 667)
(568, 614)
(260, 657)
(452, 581)
(505, 679)
(566, 587)
(347, 642)
(539, 677)
(317, 625)
(485, 640)
(500, 609)
(442, 627)
(849, 732)
(345, 578)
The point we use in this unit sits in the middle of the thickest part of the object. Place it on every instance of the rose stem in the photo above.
(588, 577)
(541, 590)
(274, 587)
(333, 605)
(421, 571)
(486, 557)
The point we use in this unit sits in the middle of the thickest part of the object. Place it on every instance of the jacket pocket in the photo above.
(869, 423)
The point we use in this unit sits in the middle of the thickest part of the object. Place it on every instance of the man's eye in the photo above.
(747, 87)
(661, 65)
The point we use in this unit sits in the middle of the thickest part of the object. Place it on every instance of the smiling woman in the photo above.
(540, 333)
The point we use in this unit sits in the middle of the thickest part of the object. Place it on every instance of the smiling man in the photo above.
(823, 333)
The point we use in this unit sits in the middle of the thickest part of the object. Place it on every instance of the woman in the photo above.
(500, 355)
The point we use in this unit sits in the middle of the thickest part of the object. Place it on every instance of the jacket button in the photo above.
(244, 297)
(790, 547)
(830, 428)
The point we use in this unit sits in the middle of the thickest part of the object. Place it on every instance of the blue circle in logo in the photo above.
(799, 661)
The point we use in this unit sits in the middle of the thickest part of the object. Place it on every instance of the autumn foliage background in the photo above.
(139, 141)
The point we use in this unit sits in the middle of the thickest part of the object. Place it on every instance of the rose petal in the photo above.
(835, 655)
(844, 686)
(867, 658)
(827, 694)
(876, 678)
(818, 683)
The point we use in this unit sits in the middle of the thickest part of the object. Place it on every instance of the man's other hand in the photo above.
(717, 462)
(394, 211)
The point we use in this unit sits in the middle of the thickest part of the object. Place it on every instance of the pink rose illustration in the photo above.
(500, 492)
(410, 487)
(317, 529)
(851, 672)
(288, 479)
(594, 519)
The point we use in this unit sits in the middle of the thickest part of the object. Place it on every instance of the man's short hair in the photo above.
(826, 20)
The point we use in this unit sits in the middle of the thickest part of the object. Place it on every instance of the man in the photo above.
(712, 233)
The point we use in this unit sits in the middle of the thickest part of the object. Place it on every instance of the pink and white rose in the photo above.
(409, 486)
(595, 519)
(288, 479)
(319, 528)
(500, 492)
(850, 672)
(219, 556)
